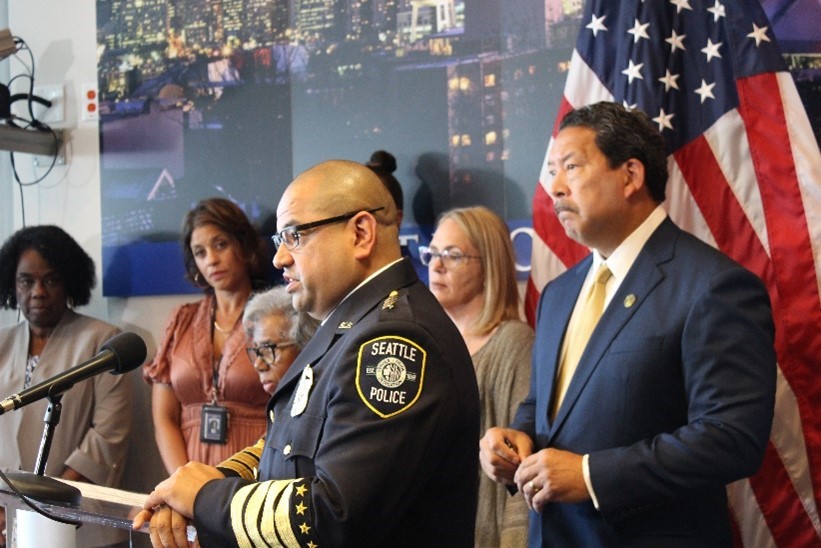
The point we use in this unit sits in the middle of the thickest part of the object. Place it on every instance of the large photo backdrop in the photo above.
(233, 98)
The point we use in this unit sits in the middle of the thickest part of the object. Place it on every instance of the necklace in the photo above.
(220, 329)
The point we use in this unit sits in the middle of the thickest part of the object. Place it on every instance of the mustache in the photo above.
(558, 207)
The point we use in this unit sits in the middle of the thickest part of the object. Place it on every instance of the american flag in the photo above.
(745, 176)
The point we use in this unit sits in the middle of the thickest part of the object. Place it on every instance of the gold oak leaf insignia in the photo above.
(390, 302)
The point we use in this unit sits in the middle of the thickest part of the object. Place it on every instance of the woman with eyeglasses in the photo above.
(276, 334)
(206, 399)
(45, 274)
(471, 269)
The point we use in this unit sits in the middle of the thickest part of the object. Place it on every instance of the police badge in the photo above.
(303, 389)
(390, 372)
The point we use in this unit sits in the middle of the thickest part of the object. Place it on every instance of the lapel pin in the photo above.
(390, 302)
(629, 300)
(345, 325)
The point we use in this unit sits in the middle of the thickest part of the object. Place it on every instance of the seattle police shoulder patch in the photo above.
(390, 372)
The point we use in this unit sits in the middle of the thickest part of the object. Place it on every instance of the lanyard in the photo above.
(215, 361)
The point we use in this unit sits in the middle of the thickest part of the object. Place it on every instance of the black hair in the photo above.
(383, 163)
(621, 134)
(60, 251)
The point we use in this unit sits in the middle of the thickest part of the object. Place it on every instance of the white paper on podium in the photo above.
(100, 492)
(31, 530)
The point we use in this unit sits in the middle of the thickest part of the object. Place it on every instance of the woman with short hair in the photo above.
(45, 274)
(276, 334)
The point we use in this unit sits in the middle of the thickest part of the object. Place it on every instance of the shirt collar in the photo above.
(620, 261)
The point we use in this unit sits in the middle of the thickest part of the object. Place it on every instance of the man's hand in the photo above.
(168, 528)
(171, 505)
(551, 475)
(501, 450)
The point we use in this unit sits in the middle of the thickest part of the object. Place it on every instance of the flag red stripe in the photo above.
(719, 206)
(790, 246)
(531, 301)
(566, 106)
(780, 505)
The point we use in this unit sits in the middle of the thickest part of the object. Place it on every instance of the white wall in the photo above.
(61, 35)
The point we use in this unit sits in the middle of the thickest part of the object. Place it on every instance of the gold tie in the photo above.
(579, 333)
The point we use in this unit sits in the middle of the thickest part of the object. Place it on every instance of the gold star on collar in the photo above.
(390, 302)
(304, 528)
(300, 508)
(301, 490)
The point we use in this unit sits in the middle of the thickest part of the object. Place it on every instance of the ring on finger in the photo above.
(533, 487)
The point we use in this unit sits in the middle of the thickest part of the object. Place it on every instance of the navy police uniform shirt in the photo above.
(372, 437)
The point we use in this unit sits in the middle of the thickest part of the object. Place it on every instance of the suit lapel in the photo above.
(561, 307)
(644, 276)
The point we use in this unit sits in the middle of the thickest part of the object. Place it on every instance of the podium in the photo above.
(97, 505)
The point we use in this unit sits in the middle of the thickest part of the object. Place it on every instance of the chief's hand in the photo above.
(551, 475)
(171, 503)
(501, 450)
(167, 527)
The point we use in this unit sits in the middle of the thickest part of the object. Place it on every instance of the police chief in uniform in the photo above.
(373, 432)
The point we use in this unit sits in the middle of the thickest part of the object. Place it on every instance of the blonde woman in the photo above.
(471, 268)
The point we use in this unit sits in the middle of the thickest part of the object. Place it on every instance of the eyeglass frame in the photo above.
(445, 255)
(279, 238)
(254, 352)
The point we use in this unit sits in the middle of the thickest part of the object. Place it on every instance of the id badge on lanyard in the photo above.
(214, 420)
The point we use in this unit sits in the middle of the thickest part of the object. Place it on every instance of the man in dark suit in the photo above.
(672, 396)
(373, 431)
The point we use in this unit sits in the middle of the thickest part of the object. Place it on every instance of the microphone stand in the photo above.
(39, 486)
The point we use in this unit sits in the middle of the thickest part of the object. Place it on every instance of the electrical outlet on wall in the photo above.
(89, 106)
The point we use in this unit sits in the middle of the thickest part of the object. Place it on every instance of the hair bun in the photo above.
(382, 160)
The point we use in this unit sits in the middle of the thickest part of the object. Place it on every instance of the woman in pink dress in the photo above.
(207, 401)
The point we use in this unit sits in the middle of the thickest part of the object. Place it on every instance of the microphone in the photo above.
(120, 354)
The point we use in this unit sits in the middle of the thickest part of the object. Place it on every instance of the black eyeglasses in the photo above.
(450, 257)
(267, 351)
(290, 234)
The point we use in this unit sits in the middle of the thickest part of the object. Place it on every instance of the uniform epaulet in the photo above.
(396, 307)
